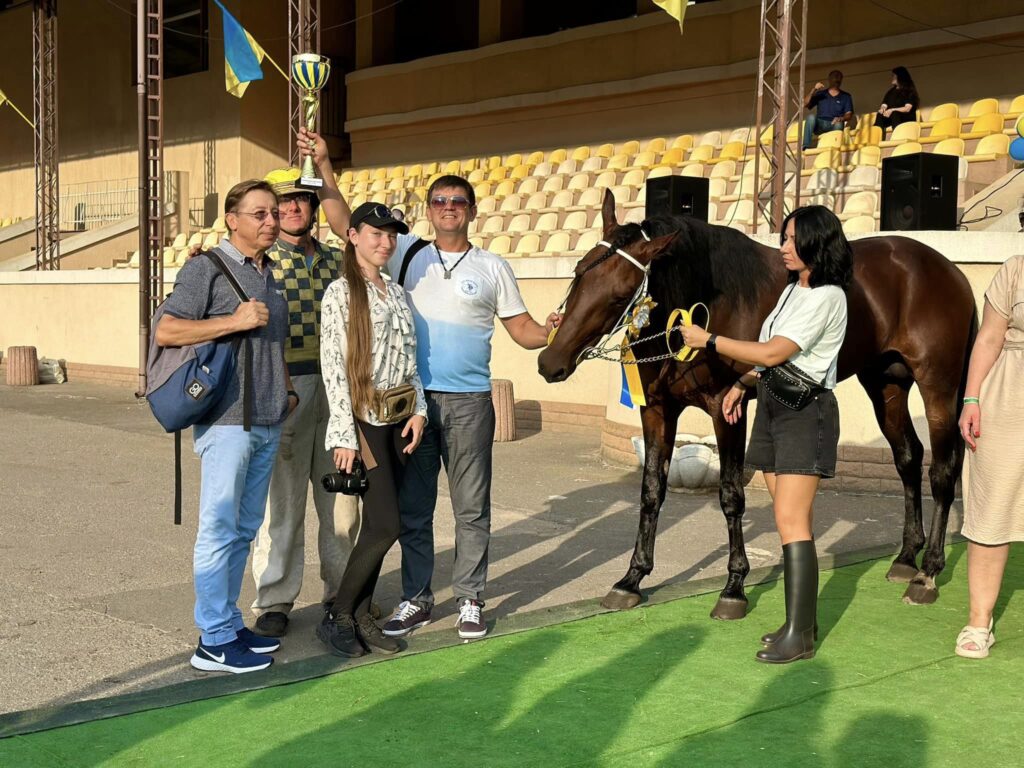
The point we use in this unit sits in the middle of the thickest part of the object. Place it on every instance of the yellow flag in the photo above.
(674, 8)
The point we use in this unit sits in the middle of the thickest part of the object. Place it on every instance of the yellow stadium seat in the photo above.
(379, 185)
(593, 164)
(990, 147)
(739, 212)
(500, 245)
(942, 112)
(477, 176)
(683, 141)
(864, 177)
(511, 204)
(453, 166)
(724, 169)
(543, 169)
(492, 225)
(493, 162)
(195, 239)
(553, 183)
(1016, 108)
(429, 169)
(673, 156)
(605, 150)
(696, 170)
(867, 156)
(580, 154)
(901, 133)
(655, 145)
(555, 244)
(413, 171)
(619, 161)
(711, 138)
(717, 189)
(219, 225)
(946, 128)
(486, 204)
(557, 155)
(858, 225)
(397, 184)
(634, 215)
(658, 171)
(701, 154)
(985, 125)
(591, 198)
(623, 194)
(827, 142)
(528, 245)
(534, 158)
(513, 160)
(470, 164)
(346, 177)
(953, 147)
(528, 186)
(575, 221)
(179, 240)
(983, 107)
(422, 228)
(830, 159)
(866, 134)
(362, 175)
(169, 255)
(519, 172)
(579, 181)
(606, 179)
(482, 189)
(380, 173)
(733, 150)
(521, 222)
(568, 166)
(396, 172)
(181, 256)
(907, 148)
(133, 262)
(635, 178)
(562, 200)
(497, 174)
(537, 200)
(739, 134)
(587, 240)
(629, 148)
(546, 222)
(860, 204)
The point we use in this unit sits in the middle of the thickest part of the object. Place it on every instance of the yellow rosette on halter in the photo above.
(682, 318)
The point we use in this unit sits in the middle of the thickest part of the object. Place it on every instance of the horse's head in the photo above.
(606, 282)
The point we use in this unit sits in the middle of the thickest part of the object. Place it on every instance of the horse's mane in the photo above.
(704, 263)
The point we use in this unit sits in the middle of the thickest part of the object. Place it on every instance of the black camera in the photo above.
(352, 483)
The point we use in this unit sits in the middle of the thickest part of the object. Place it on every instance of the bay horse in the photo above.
(912, 320)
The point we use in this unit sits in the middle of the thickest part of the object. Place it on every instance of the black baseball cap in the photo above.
(377, 215)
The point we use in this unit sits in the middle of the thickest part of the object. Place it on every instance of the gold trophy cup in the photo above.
(310, 72)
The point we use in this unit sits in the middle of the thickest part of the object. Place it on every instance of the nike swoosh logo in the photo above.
(218, 659)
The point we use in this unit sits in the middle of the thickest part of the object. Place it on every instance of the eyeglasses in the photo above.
(302, 197)
(459, 202)
(260, 216)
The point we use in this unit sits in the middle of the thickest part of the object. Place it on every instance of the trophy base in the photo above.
(310, 182)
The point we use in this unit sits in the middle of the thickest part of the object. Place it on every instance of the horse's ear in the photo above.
(660, 245)
(608, 214)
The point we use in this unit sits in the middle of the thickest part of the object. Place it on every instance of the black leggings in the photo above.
(379, 528)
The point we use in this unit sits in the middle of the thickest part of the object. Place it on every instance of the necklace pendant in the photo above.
(447, 274)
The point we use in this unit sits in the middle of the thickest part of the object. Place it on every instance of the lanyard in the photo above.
(447, 271)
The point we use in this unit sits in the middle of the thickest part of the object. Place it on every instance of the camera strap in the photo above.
(364, 450)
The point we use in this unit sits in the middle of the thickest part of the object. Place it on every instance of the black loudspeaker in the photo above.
(919, 192)
(677, 195)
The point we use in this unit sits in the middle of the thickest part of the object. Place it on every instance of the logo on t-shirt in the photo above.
(469, 288)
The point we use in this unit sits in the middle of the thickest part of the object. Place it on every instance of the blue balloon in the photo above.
(1017, 149)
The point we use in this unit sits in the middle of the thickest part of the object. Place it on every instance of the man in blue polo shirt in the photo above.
(834, 108)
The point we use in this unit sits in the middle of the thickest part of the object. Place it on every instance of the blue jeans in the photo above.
(816, 125)
(236, 469)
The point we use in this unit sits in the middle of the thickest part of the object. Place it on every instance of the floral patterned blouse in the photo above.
(394, 355)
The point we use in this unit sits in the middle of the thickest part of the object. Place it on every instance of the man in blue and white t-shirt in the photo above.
(455, 291)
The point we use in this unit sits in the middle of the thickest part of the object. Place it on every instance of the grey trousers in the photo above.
(459, 433)
(279, 553)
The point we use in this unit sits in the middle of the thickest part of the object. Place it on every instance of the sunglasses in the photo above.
(459, 202)
(260, 216)
(302, 197)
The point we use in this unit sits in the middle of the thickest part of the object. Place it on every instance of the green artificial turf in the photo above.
(657, 686)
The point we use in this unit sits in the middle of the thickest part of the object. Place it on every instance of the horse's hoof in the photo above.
(729, 609)
(921, 591)
(621, 600)
(901, 573)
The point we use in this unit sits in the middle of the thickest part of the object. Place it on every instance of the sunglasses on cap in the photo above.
(459, 202)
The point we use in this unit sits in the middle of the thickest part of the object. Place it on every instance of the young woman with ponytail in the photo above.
(368, 346)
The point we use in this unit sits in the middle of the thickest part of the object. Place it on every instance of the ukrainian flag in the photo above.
(674, 8)
(242, 55)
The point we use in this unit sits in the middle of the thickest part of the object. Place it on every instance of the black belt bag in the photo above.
(790, 386)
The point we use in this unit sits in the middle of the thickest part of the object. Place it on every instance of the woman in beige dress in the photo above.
(994, 512)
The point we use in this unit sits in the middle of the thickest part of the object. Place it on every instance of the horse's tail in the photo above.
(972, 334)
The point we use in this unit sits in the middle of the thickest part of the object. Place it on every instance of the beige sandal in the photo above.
(982, 638)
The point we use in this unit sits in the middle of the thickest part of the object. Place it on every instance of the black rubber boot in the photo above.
(795, 639)
(771, 637)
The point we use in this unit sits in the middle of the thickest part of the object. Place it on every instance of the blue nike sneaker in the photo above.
(258, 643)
(235, 657)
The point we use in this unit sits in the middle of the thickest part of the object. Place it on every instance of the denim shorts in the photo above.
(789, 442)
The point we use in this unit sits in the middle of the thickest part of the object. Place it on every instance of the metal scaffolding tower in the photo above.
(149, 87)
(44, 108)
(780, 104)
(303, 37)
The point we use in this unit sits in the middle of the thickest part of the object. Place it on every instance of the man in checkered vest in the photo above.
(303, 268)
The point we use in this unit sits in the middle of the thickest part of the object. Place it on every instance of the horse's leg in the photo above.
(889, 398)
(732, 602)
(659, 423)
(940, 403)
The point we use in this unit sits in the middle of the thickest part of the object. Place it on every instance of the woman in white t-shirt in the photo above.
(794, 442)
